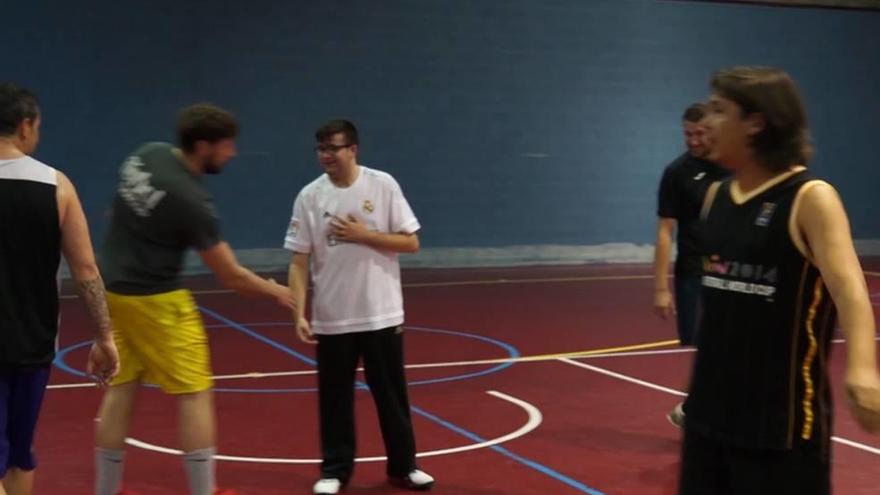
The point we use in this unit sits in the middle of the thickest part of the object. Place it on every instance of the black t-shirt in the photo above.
(681, 194)
(760, 375)
(159, 212)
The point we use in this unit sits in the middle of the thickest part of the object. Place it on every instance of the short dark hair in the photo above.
(694, 113)
(16, 105)
(204, 122)
(346, 127)
(785, 139)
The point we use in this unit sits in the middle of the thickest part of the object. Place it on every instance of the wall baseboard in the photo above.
(276, 260)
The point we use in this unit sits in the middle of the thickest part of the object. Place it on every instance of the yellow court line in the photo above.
(554, 356)
(527, 359)
(608, 350)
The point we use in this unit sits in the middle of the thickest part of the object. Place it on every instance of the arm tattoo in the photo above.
(93, 294)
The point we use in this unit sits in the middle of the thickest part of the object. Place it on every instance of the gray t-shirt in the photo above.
(160, 211)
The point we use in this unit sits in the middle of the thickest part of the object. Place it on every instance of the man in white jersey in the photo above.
(352, 222)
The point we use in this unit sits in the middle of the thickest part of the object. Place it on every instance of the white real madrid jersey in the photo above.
(356, 287)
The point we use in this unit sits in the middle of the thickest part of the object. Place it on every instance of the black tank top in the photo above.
(760, 377)
(30, 250)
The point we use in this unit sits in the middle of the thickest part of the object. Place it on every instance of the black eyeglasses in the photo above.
(330, 148)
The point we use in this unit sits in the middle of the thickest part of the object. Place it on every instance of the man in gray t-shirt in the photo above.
(160, 211)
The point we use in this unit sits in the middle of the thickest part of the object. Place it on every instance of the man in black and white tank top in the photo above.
(779, 268)
(40, 218)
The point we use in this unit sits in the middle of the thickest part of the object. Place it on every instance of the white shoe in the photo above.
(416, 480)
(676, 416)
(327, 486)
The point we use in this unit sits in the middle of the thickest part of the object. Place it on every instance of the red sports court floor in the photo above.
(501, 403)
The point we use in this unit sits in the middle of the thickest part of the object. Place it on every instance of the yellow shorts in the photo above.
(161, 340)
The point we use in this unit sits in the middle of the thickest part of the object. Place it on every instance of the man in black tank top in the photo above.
(40, 218)
(779, 268)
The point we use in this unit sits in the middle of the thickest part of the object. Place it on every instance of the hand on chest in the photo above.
(361, 209)
(341, 218)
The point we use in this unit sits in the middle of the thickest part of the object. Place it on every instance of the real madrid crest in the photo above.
(368, 206)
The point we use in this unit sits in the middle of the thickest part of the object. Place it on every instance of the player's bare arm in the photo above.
(825, 226)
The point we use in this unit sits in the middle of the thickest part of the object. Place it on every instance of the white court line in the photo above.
(623, 377)
(270, 374)
(73, 385)
(535, 419)
(620, 376)
(856, 445)
(254, 374)
(275, 374)
(661, 352)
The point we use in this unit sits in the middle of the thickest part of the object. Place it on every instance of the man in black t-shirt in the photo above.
(680, 198)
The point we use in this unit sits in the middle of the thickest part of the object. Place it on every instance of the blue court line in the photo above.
(461, 431)
(502, 450)
(512, 352)
(266, 340)
(61, 361)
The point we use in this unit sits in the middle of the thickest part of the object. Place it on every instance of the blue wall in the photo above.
(507, 122)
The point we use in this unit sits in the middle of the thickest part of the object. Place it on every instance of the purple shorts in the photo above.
(21, 395)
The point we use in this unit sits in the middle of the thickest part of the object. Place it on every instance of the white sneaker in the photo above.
(327, 486)
(676, 416)
(417, 480)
